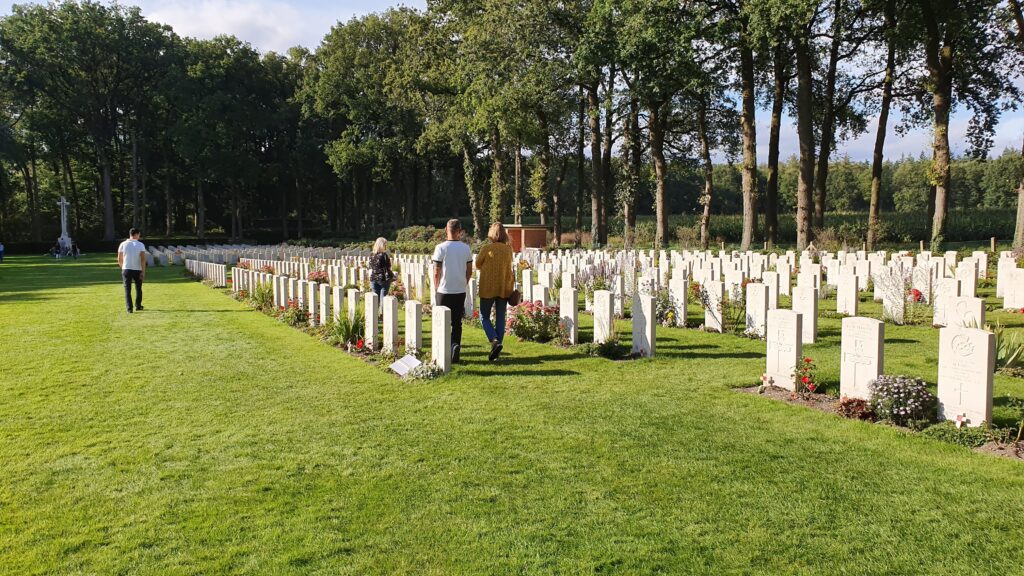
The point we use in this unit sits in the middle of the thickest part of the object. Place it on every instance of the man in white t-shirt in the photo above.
(131, 257)
(453, 267)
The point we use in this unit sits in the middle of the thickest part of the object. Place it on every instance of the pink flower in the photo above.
(805, 380)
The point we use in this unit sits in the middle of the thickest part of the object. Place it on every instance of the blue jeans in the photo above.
(499, 305)
(381, 290)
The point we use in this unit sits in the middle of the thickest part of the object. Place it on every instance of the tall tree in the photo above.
(965, 61)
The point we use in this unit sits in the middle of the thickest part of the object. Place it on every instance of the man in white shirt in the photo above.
(453, 267)
(131, 257)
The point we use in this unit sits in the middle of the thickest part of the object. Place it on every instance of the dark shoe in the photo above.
(495, 351)
(130, 310)
(455, 353)
(139, 308)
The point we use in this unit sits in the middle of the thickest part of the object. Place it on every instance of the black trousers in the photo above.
(130, 276)
(457, 304)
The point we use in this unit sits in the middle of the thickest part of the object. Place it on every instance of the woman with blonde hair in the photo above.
(496, 284)
(381, 275)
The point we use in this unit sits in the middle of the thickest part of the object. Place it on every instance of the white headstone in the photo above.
(568, 311)
(847, 297)
(413, 325)
(966, 362)
(757, 308)
(713, 321)
(441, 338)
(861, 357)
(390, 318)
(644, 323)
(678, 290)
(604, 326)
(371, 303)
(784, 349)
(805, 302)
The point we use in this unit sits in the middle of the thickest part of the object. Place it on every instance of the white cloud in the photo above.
(269, 25)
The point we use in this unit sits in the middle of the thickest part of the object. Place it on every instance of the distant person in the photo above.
(453, 267)
(1, 252)
(496, 284)
(131, 257)
(74, 250)
(381, 274)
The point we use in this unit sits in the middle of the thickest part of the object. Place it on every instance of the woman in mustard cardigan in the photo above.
(496, 284)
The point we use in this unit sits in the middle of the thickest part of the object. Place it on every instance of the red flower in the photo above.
(811, 387)
(476, 313)
(807, 360)
(916, 295)
(805, 380)
(360, 343)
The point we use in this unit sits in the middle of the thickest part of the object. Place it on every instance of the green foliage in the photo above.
(964, 436)
(903, 401)
(346, 332)
(262, 297)
(536, 323)
(611, 349)
(421, 234)
(1009, 348)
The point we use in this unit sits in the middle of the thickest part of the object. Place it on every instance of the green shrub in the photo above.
(346, 332)
(964, 436)
(903, 401)
(262, 297)
(611, 349)
(420, 234)
(535, 322)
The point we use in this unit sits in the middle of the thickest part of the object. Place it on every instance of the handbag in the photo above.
(515, 298)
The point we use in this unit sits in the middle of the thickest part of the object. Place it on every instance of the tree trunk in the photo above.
(709, 177)
(299, 212)
(608, 202)
(135, 181)
(805, 134)
(108, 196)
(749, 128)
(517, 212)
(580, 172)
(771, 208)
(476, 208)
(827, 119)
(939, 61)
(632, 158)
(73, 188)
(556, 201)
(498, 194)
(656, 127)
(144, 206)
(168, 204)
(201, 210)
(883, 120)
(37, 233)
(596, 171)
(1018, 231)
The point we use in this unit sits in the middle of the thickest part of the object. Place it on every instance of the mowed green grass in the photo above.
(201, 437)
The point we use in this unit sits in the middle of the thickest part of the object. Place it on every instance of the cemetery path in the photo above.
(200, 437)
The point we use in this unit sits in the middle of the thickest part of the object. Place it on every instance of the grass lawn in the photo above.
(201, 437)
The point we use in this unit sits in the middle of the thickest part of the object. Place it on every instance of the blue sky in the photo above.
(280, 24)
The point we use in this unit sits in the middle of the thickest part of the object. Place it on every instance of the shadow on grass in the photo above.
(149, 310)
(36, 274)
(519, 373)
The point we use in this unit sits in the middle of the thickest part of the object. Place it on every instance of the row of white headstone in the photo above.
(966, 363)
(216, 273)
(381, 326)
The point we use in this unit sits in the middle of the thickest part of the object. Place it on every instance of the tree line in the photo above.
(581, 112)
